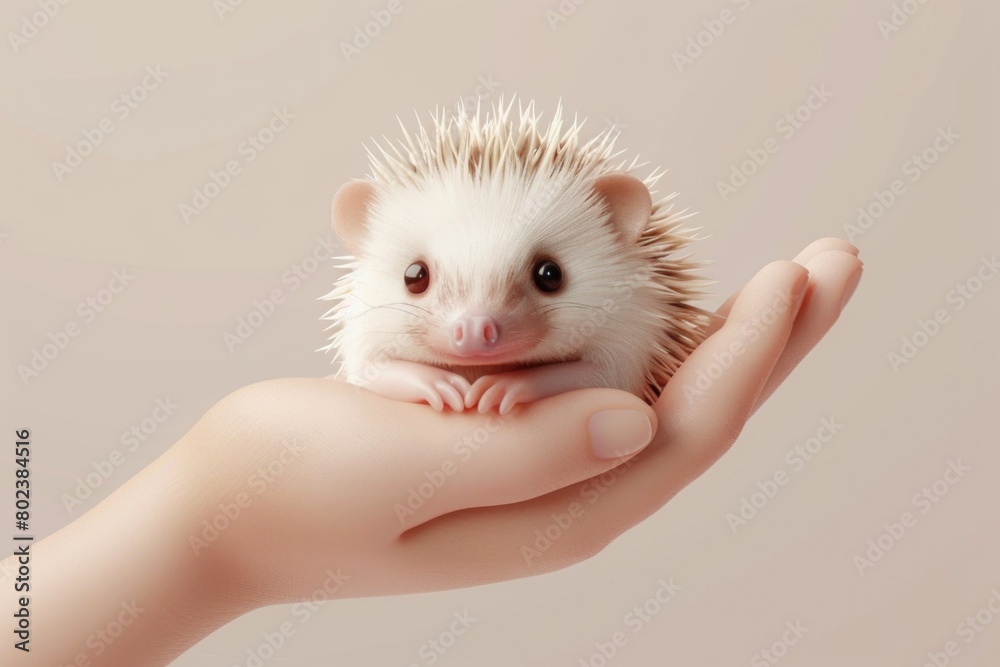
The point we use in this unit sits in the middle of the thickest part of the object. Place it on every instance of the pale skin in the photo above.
(505, 390)
(628, 202)
(343, 461)
(419, 383)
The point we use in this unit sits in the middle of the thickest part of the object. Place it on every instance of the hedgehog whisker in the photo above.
(567, 304)
(390, 306)
(374, 308)
(410, 305)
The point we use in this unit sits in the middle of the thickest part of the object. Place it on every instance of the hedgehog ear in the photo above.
(351, 206)
(629, 202)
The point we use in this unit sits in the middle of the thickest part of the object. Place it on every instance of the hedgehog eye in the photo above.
(547, 275)
(417, 278)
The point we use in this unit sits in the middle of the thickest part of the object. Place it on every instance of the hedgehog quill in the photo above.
(496, 262)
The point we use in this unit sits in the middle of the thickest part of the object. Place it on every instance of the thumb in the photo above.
(483, 460)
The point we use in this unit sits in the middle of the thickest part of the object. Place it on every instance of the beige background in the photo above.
(162, 337)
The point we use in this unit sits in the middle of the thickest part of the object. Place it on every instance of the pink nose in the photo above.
(475, 333)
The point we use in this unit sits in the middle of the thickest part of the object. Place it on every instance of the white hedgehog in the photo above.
(497, 264)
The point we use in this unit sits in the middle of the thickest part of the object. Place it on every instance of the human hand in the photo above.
(303, 488)
(345, 500)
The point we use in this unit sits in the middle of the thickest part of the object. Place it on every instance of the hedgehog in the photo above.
(495, 262)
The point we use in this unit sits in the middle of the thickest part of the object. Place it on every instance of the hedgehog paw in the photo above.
(419, 383)
(502, 391)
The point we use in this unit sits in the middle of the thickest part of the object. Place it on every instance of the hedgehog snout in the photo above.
(474, 333)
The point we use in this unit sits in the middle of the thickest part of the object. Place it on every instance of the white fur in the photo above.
(480, 202)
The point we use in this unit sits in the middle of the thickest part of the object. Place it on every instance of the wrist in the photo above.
(120, 585)
(197, 549)
(206, 470)
(237, 467)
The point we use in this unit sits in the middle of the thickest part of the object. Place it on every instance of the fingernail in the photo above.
(618, 433)
(851, 287)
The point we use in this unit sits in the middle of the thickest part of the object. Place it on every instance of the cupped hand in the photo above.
(382, 497)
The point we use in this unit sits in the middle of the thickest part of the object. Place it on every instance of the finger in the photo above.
(815, 248)
(833, 277)
(824, 245)
(450, 395)
(713, 392)
(580, 520)
(473, 460)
